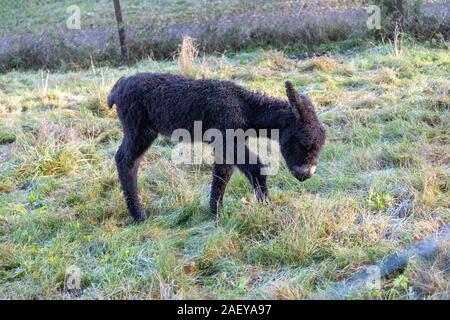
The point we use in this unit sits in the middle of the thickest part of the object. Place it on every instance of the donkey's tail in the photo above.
(112, 95)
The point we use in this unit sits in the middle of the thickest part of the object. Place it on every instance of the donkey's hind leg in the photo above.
(128, 157)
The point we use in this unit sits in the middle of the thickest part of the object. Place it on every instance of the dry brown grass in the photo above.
(384, 75)
(397, 43)
(187, 52)
(324, 64)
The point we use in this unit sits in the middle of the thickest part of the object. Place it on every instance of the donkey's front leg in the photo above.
(221, 175)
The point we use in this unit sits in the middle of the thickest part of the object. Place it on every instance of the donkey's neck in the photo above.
(268, 113)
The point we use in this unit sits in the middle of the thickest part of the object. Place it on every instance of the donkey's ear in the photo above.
(298, 103)
(292, 95)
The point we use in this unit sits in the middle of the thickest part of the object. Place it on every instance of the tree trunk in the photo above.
(121, 29)
(426, 248)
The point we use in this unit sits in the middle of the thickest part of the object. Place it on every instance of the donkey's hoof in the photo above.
(140, 217)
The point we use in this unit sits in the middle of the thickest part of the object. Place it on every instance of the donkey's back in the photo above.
(171, 102)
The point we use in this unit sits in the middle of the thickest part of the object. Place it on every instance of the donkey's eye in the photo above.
(308, 148)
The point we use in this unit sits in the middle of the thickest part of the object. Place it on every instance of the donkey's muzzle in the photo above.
(303, 173)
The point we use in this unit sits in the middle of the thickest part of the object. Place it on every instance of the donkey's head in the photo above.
(302, 141)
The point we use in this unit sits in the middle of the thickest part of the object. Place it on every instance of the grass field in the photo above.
(39, 15)
(382, 182)
(35, 35)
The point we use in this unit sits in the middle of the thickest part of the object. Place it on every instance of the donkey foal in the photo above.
(149, 104)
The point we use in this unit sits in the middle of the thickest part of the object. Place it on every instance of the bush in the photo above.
(6, 136)
(292, 26)
(159, 38)
(415, 21)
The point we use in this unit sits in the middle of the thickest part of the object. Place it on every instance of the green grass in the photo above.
(23, 16)
(61, 203)
(36, 36)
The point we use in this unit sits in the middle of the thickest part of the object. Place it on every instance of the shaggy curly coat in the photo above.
(149, 104)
